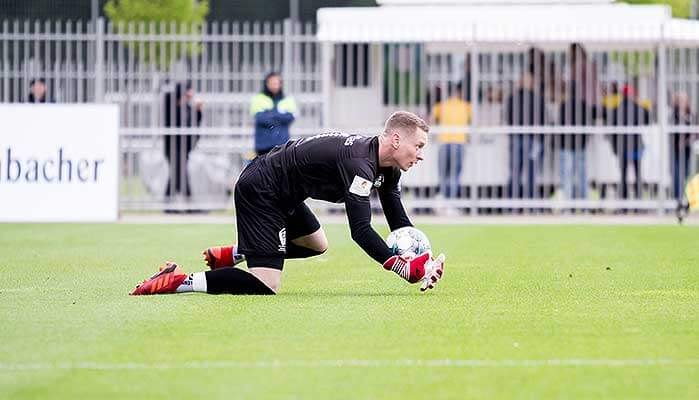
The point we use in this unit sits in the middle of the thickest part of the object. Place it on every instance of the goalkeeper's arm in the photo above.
(359, 216)
(393, 209)
(419, 269)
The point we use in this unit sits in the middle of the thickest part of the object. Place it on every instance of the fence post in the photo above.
(663, 158)
(5, 63)
(99, 60)
(326, 82)
(474, 82)
(287, 58)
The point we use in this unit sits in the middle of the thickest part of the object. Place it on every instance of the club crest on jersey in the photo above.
(378, 181)
(361, 186)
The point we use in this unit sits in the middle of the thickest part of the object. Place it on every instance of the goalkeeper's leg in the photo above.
(171, 279)
(306, 246)
(306, 239)
(264, 277)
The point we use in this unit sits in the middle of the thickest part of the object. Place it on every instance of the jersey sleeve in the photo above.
(389, 195)
(357, 177)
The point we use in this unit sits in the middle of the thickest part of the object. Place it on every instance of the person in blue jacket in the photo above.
(273, 113)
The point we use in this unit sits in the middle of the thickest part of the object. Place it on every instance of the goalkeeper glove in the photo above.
(433, 273)
(420, 268)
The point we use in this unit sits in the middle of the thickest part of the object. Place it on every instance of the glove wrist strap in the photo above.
(402, 268)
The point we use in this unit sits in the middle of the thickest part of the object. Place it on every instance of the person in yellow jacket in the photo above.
(453, 116)
(273, 113)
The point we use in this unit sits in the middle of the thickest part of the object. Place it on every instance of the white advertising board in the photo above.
(59, 163)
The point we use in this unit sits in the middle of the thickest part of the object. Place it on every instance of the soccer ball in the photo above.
(408, 241)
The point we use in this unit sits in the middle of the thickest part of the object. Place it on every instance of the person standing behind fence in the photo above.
(273, 113)
(525, 107)
(681, 144)
(179, 113)
(37, 92)
(628, 146)
(575, 111)
(453, 115)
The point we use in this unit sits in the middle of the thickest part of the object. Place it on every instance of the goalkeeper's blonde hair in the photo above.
(405, 122)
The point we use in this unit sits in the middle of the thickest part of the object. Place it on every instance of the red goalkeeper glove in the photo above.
(421, 268)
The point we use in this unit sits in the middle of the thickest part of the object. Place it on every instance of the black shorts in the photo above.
(264, 227)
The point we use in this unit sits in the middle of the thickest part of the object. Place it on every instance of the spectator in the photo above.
(582, 79)
(273, 113)
(433, 96)
(576, 110)
(179, 113)
(681, 144)
(611, 98)
(525, 107)
(37, 92)
(453, 115)
(628, 147)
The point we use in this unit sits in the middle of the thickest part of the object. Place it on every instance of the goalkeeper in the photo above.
(274, 224)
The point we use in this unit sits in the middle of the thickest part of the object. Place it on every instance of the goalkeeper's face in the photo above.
(410, 149)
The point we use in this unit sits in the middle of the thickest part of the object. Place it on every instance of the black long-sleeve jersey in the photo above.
(339, 168)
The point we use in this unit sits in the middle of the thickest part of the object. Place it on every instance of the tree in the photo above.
(680, 8)
(183, 17)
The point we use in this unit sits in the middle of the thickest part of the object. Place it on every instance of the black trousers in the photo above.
(624, 159)
(177, 148)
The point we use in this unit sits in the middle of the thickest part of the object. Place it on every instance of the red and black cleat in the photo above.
(166, 281)
(221, 257)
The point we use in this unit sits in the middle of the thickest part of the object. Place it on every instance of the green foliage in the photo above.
(403, 83)
(160, 17)
(636, 63)
(680, 8)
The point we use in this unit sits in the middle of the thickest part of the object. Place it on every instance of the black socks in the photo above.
(234, 281)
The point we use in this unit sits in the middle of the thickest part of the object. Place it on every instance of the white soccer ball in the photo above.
(408, 241)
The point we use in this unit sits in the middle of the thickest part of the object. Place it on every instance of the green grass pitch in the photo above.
(523, 312)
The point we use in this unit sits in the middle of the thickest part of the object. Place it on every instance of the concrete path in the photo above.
(692, 220)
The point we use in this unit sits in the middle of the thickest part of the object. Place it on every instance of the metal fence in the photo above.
(518, 128)
(515, 129)
(173, 156)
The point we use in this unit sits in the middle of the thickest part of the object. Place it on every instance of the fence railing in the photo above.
(515, 128)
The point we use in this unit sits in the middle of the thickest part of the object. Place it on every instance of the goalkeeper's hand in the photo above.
(420, 268)
(433, 273)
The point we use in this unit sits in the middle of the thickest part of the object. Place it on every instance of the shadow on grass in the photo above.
(299, 294)
(345, 293)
